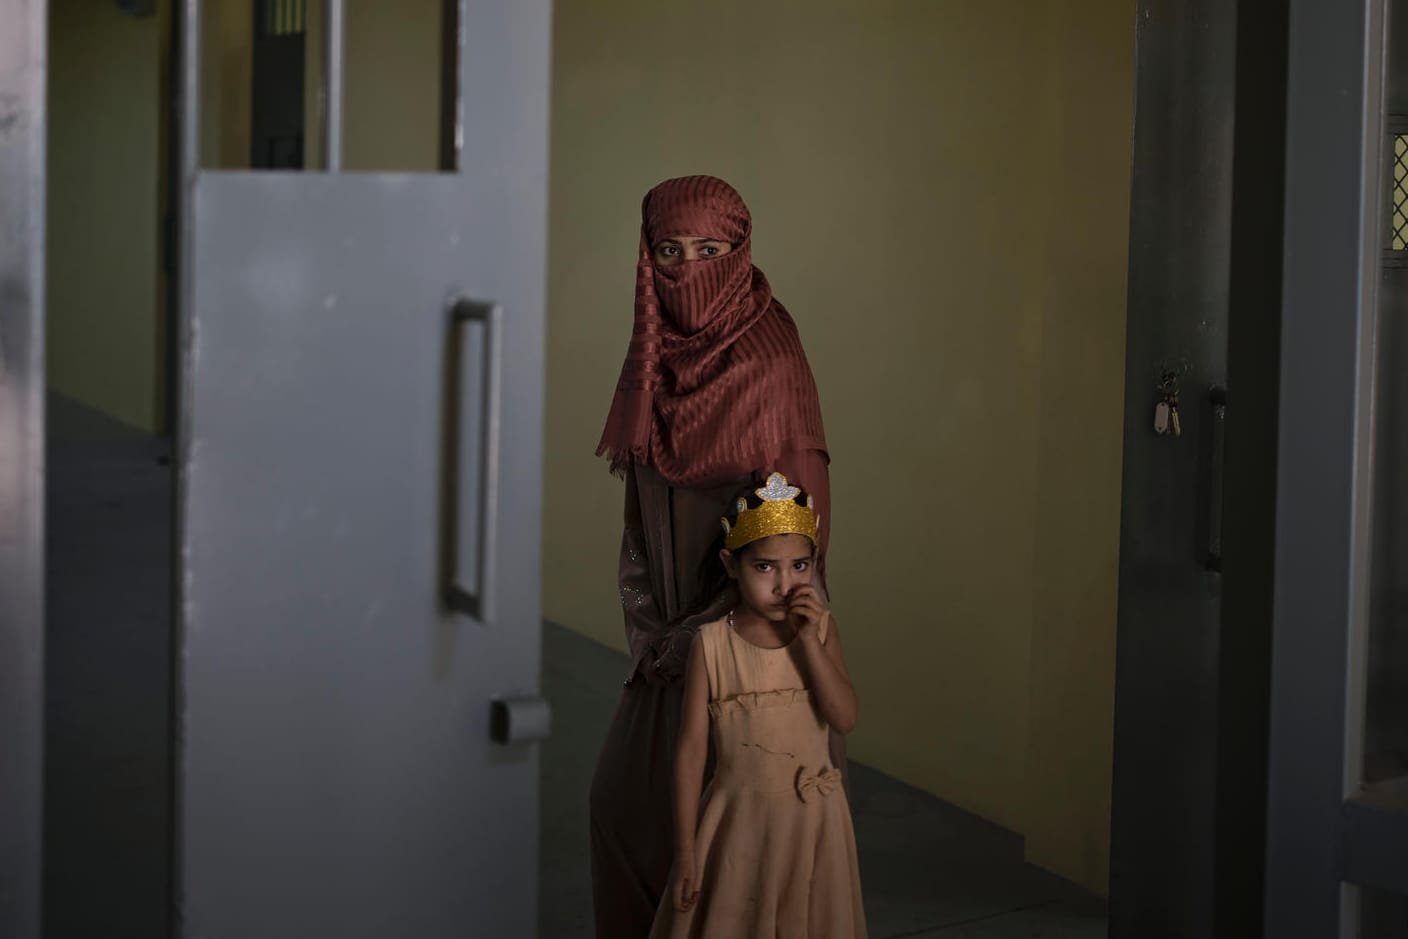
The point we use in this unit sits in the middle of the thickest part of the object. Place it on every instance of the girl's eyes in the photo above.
(669, 250)
(763, 567)
(709, 251)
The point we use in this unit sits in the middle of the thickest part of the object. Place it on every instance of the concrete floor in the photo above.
(107, 675)
(928, 869)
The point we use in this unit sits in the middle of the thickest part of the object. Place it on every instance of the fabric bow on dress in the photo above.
(823, 783)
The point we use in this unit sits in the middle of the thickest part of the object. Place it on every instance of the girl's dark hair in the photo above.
(713, 579)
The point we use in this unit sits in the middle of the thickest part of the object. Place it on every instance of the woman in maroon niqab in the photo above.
(715, 384)
(715, 393)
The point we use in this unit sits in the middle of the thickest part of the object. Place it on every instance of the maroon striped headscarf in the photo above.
(715, 385)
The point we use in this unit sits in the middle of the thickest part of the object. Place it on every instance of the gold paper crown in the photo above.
(778, 515)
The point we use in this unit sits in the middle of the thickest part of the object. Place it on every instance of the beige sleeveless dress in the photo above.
(776, 852)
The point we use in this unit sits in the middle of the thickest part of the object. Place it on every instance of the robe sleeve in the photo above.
(639, 601)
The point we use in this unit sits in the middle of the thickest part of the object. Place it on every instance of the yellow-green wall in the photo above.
(391, 85)
(226, 70)
(940, 197)
(108, 86)
(1085, 110)
(104, 344)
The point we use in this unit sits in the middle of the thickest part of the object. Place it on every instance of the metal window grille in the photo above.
(1398, 237)
(284, 17)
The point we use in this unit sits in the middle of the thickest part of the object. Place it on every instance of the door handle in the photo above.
(469, 526)
(1217, 403)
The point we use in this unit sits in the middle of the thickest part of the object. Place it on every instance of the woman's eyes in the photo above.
(801, 565)
(675, 251)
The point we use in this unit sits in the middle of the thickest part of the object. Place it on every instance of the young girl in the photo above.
(771, 851)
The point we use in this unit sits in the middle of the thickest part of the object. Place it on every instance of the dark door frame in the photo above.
(1197, 538)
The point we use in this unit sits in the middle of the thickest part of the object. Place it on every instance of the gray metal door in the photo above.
(1337, 865)
(358, 521)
